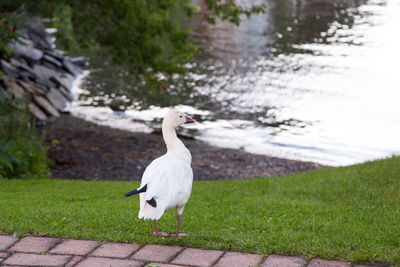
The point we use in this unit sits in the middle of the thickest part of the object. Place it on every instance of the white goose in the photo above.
(167, 181)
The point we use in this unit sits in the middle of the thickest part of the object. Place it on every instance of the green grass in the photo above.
(350, 213)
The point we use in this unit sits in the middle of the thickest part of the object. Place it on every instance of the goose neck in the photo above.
(170, 137)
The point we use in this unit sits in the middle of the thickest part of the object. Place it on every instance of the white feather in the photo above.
(168, 178)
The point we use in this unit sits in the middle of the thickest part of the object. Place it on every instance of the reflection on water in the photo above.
(310, 79)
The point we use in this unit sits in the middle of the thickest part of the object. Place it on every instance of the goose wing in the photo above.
(169, 183)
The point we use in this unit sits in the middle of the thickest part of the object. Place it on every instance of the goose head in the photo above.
(175, 118)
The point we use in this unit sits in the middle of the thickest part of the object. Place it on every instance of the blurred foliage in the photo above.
(228, 10)
(9, 22)
(62, 21)
(22, 154)
(151, 36)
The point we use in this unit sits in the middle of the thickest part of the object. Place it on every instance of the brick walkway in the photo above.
(45, 251)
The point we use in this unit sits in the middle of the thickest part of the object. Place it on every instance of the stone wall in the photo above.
(39, 73)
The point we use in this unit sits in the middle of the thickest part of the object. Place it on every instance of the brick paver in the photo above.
(115, 250)
(75, 247)
(74, 261)
(235, 259)
(107, 262)
(37, 259)
(287, 261)
(34, 251)
(156, 253)
(326, 263)
(6, 241)
(198, 257)
(151, 264)
(34, 244)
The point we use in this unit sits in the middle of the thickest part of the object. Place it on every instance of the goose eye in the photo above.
(180, 116)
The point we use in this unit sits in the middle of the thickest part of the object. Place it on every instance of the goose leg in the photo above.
(178, 226)
(156, 232)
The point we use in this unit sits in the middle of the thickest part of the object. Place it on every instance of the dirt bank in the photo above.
(84, 150)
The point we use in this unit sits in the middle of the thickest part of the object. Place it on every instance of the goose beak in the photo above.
(189, 120)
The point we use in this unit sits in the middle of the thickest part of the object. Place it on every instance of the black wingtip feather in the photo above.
(131, 193)
(137, 191)
(152, 202)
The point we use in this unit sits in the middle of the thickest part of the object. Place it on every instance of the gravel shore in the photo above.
(83, 150)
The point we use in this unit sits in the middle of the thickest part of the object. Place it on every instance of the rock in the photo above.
(67, 94)
(44, 83)
(20, 63)
(28, 52)
(22, 33)
(46, 75)
(52, 60)
(37, 112)
(12, 87)
(9, 69)
(37, 34)
(54, 54)
(65, 81)
(51, 31)
(73, 69)
(40, 73)
(79, 61)
(58, 54)
(49, 65)
(44, 88)
(17, 91)
(26, 76)
(57, 99)
(35, 26)
(44, 103)
(23, 69)
(44, 72)
(117, 104)
(33, 89)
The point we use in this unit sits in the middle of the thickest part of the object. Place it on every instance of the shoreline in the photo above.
(80, 149)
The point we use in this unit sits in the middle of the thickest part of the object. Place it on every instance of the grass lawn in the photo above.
(350, 213)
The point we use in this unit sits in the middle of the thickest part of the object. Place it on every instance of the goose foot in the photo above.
(161, 234)
(180, 235)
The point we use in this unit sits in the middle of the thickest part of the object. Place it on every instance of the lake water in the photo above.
(314, 80)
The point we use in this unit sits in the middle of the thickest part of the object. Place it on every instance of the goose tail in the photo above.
(149, 211)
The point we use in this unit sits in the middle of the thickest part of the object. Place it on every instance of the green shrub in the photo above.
(22, 154)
